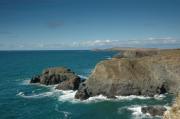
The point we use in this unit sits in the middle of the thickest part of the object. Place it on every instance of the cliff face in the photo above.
(144, 75)
(174, 112)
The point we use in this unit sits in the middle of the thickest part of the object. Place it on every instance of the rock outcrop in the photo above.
(141, 74)
(154, 110)
(66, 79)
(174, 112)
(82, 92)
(71, 84)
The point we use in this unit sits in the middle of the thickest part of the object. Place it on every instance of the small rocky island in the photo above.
(144, 72)
(64, 77)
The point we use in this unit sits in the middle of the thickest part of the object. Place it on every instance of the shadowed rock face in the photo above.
(82, 93)
(145, 75)
(66, 79)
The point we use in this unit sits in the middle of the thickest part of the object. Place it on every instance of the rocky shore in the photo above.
(146, 72)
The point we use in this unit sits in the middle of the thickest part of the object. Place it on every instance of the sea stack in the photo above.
(64, 77)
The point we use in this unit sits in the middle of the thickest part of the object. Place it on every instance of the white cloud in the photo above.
(89, 44)
(148, 42)
(166, 40)
(95, 43)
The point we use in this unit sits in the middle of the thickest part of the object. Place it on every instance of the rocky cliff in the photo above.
(134, 73)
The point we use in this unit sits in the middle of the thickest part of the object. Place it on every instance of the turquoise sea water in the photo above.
(20, 100)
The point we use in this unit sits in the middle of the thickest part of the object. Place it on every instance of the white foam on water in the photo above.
(136, 110)
(52, 92)
(159, 97)
(98, 98)
(83, 77)
(108, 58)
(137, 113)
(25, 82)
(41, 95)
(65, 113)
(42, 85)
(131, 97)
(68, 96)
(20, 94)
(95, 99)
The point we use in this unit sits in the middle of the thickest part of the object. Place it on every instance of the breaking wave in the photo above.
(68, 96)
(138, 114)
(41, 95)
(83, 77)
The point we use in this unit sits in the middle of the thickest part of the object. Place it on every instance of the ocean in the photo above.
(21, 100)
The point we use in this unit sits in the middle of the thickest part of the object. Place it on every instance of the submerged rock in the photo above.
(66, 79)
(154, 110)
(144, 75)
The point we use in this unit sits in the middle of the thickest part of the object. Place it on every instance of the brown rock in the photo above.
(144, 75)
(66, 79)
(70, 84)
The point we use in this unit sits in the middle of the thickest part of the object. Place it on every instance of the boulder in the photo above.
(154, 110)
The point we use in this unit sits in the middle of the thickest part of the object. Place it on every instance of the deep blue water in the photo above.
(20, 100)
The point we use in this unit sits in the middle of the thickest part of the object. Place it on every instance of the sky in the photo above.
(88, 24)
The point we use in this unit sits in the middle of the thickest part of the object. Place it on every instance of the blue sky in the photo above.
(87, 24)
